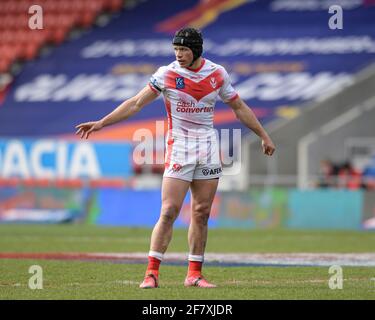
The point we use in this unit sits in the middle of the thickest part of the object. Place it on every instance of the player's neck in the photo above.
(197, 64)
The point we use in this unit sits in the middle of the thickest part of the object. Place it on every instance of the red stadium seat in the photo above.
(52, 7)
(30, 51)
(78, 6)
(23, 6)
(10, 7)
(14, 52)
(58, 35)
(4, 65)
(20, 36)
(5, 22)
(113, 5)
(7, 37)
(39, 36)
(6, 7)
(87, 19)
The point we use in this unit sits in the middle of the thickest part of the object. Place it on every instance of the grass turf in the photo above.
(94, 280)
(79, 238)
(84, 280)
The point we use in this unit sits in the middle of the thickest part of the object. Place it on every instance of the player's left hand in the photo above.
(268, 146)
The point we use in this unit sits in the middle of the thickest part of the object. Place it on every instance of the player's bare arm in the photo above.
(125, 110)
(248, 118)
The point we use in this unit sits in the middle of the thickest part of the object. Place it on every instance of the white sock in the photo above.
(193, 257)
(157, 255)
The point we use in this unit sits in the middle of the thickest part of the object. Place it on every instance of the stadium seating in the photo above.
(19, 42)
(277, 71)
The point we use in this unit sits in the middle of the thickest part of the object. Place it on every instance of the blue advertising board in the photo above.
(258, 209)
(61, 159)
(325, 209)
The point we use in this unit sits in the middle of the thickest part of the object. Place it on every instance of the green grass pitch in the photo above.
(105, 280)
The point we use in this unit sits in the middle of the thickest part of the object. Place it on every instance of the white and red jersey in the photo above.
(190, 95)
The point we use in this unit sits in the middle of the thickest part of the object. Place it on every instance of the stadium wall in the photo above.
(254, 209)
(287, 133)
(329, 141)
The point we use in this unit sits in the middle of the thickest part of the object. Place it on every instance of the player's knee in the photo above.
(201, 213)
(200, 219)
(169, 213)
(202, 208)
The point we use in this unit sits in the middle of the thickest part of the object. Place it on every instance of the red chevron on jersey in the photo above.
(190, 95)
(196, 90)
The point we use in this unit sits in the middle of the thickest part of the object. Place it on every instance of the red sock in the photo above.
(195, 268)
(153, 266)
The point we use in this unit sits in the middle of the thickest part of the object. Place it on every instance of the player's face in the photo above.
(184, 55)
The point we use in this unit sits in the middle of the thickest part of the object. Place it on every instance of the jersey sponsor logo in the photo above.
(180, 83)
(191, 107)
(207, 171)
(186, 104)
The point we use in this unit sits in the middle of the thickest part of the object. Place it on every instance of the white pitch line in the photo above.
(298, 259)
(232, 259)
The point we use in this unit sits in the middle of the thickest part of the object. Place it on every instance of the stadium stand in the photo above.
(324, 127)
(283, 73)
(19, 42)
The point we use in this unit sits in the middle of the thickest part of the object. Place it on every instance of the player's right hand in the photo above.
(85, 129)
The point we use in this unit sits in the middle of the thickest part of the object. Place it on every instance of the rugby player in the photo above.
(190, 86)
